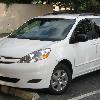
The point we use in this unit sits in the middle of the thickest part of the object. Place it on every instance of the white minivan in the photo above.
(49, 51)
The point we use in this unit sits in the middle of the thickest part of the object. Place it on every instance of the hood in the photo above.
(13, 47)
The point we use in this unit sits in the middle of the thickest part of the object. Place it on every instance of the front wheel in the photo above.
(60, 79)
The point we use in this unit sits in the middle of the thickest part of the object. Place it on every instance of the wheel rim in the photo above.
(59, 80)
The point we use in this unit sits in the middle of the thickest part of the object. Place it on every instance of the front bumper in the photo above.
(25, 72)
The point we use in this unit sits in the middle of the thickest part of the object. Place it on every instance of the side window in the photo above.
(84, 27)
(80, 28)
(96, 23)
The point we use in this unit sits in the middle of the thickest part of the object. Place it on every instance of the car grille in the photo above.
(7, 79)
(8, 60)
(4, 62)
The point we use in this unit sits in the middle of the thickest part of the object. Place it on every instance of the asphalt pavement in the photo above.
(86, 87)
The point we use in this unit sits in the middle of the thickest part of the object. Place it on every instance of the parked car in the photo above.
(49, 51)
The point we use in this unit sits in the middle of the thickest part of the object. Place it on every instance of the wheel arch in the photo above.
(68, 63)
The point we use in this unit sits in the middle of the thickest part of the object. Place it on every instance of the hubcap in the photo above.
(59, 80)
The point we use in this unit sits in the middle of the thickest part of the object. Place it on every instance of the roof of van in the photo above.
(70, 16)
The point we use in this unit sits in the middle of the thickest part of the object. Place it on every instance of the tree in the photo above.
(77, 5)
(8, 2)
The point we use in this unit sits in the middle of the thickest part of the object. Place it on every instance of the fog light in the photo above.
(34, 81)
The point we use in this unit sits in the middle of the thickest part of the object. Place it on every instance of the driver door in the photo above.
(84, 50)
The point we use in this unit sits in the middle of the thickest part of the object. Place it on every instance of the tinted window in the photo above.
(84, 27)
(46, 29)
(96, 23)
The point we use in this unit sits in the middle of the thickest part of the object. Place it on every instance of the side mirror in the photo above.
(81, 38)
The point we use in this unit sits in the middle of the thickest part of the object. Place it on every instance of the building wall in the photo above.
(16, 14)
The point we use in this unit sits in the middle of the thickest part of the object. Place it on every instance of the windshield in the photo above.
(46, 29)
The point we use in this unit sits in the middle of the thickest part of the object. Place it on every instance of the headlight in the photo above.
(36, 56)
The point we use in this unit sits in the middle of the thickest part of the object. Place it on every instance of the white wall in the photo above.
(16, 14)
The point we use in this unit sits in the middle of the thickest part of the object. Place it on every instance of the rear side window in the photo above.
(96, 23)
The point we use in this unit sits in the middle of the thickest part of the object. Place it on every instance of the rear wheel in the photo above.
(60, 79)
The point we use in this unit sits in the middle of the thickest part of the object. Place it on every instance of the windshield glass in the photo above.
(46, 29)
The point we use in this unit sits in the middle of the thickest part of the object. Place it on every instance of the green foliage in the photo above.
(16, 1)
(87, 5)
(9, 2)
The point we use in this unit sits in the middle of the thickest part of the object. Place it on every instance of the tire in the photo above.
(60, 79)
